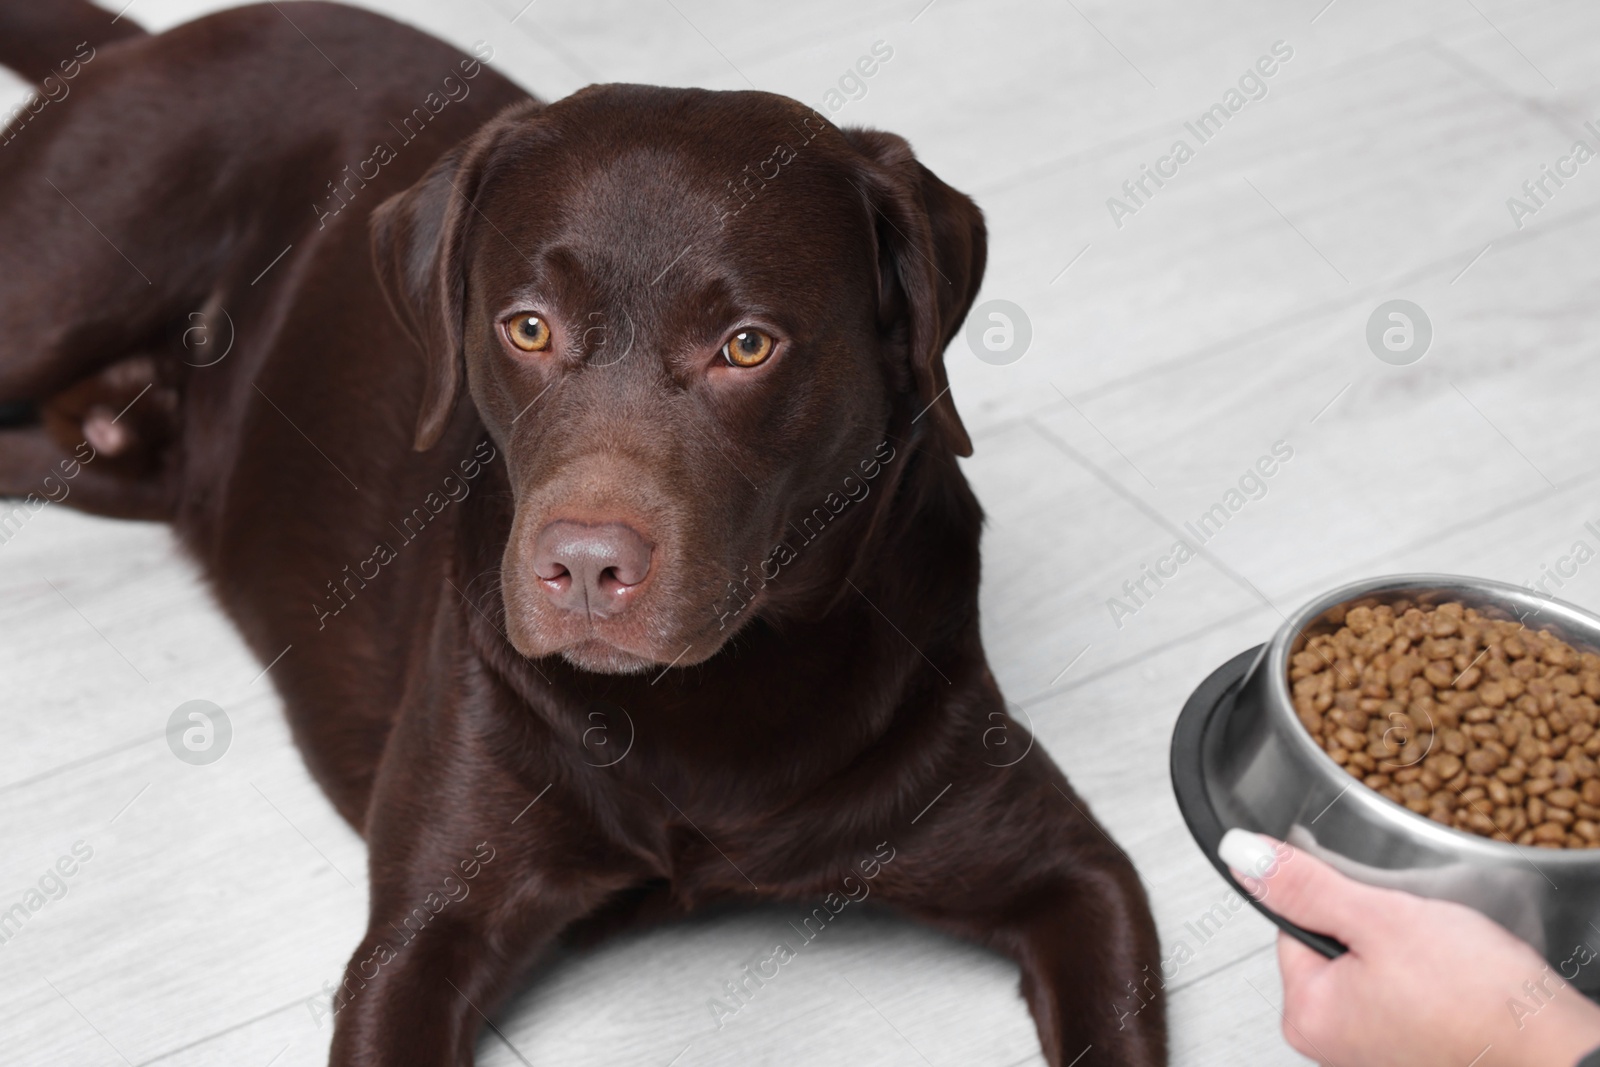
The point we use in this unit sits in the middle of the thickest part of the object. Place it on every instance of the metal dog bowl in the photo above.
(1241, 758)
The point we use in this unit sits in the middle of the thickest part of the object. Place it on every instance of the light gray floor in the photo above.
(1227, 314)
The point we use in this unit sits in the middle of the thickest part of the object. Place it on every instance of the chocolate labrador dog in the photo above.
(584, 471)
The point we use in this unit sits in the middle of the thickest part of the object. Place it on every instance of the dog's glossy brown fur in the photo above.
(796, 692)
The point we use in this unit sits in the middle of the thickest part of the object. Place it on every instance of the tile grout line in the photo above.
(1304, 590)
(247, 703)
(221, 1033)
(1222, 968)
(1148, 510)
(1326, 308)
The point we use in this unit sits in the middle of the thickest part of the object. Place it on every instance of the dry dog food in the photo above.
(1478, 723)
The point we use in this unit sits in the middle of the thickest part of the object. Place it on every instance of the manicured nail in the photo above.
(1247, 853)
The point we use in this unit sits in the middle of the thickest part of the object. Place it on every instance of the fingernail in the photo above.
(1247, 853)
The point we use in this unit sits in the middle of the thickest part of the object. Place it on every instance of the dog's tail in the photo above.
(37, 36)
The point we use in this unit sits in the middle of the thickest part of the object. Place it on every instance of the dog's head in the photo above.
(691, 320)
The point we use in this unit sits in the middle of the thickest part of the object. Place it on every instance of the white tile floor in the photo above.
(1227, 314)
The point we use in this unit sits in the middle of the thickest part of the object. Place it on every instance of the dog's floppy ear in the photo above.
(418, 243)
(932, 246)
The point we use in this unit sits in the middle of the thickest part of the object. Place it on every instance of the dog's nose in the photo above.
(591, 569)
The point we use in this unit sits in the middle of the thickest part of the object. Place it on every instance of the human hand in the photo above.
(1426, 983)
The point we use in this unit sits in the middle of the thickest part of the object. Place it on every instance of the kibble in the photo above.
(1475, 722)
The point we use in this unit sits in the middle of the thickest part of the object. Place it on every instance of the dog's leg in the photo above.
(111, 236)
(442, 949)
(463, 902)
(1010, 858)
(36, 469)
(70, 302)
(473, 873)
(42, 41)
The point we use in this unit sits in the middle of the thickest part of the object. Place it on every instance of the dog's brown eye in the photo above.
(529, 333)
(748, 348)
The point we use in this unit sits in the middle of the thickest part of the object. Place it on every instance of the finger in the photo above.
(1253, 855)
(1299, 965)
(1303, 889)
(1302, 968)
